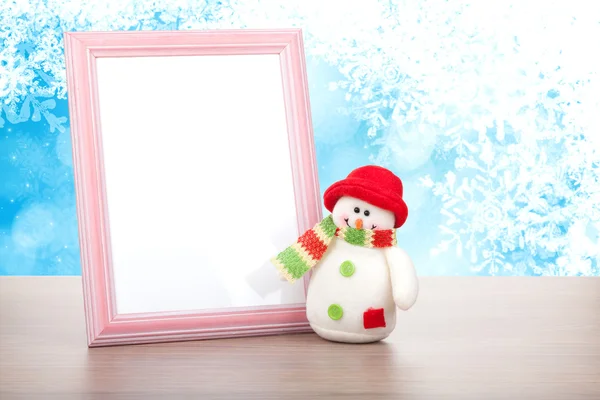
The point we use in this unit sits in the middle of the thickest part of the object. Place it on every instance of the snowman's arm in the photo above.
(405, 285)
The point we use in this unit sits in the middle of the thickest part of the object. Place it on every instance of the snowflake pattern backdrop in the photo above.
(487, 110)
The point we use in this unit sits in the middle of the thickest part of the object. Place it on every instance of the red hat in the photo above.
(373, 184)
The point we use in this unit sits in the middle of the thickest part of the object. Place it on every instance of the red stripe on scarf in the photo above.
(313, 245)
(382, 238)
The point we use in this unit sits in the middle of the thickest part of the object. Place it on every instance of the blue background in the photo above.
(486, 110)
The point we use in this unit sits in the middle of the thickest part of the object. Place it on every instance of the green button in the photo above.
(335, 312)
(347, 268)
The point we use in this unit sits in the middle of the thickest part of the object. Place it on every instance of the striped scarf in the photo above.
(305, 253)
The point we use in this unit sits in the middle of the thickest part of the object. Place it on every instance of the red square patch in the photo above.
(374, 318)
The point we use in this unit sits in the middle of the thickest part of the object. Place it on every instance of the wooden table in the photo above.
(466, 338)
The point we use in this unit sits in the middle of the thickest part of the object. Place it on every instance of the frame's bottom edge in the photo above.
(198, 336)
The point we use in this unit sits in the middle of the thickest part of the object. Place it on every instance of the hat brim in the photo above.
(362, 189)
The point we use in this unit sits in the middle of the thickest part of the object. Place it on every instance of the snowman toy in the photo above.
(358, 274)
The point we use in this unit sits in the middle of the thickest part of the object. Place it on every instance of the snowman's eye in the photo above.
(367, 213)
(356, 210)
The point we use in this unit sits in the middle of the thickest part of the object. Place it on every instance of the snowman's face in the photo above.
(359, 214)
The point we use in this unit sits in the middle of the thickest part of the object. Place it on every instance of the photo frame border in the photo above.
(104, 326)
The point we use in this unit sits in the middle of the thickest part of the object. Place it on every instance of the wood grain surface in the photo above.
(466, 338)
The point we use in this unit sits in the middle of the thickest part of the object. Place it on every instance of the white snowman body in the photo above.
(354, 291)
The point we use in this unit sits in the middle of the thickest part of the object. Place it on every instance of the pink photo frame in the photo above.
(105, 324)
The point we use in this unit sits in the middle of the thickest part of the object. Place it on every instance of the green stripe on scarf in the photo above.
(296, 266)
(328, 226)
(355, 236)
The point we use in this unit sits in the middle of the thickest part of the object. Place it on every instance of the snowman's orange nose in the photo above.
(359, 223)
